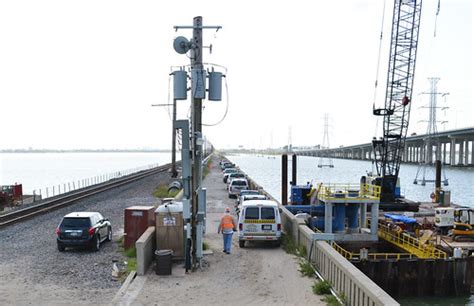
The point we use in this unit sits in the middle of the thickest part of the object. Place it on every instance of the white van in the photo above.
(260, 221)
(237, 185)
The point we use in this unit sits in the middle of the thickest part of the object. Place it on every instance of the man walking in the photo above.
(227, 227)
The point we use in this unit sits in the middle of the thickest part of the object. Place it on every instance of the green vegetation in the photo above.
(291, 248)
(331, 300)
(131, 265)
(306, 268)
(207, 168)
(205, 246)
(321, 288)
(161, 191)
(131, 252)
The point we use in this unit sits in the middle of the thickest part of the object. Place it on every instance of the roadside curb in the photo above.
(123, 289)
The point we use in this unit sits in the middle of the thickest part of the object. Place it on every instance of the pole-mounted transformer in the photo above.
(180, 85)
(215, 86)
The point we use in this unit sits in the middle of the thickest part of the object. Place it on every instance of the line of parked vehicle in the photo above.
(259, 218)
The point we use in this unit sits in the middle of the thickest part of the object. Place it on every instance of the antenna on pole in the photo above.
(432, 139)
(325, 159)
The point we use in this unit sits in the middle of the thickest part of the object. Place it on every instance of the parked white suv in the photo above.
(236, 185)
(260, 220)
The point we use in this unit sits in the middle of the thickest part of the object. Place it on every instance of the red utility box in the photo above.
(137, 220)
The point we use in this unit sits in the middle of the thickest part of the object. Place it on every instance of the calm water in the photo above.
(40, 170)
(266, 170)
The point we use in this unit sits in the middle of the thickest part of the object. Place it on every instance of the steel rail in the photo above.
(71, 197)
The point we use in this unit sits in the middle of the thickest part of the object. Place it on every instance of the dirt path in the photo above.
(255, 275)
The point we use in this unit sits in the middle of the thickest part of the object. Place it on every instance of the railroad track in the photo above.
(71, 197)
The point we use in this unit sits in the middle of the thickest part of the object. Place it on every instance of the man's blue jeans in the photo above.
(227, 241)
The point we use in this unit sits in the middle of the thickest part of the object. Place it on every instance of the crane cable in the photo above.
(378, 67)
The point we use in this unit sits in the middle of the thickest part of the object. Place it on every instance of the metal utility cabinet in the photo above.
(137, 220)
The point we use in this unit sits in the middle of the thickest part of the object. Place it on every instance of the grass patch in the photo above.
(321, 288)
(131, 265)
(331, 300)
(288, 244)
(131, 252)
(306, 268)
(291, 248)
(161, 191)
(207, 168)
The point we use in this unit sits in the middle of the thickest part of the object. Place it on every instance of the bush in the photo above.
(331, 300)
(306, 268)
(161, 191)
(131, 252)
(288, 244)
(321, 288)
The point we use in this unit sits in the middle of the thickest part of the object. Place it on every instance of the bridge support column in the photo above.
(466, 154)
(444, 152)
(461, 152)
(452, 152)
(472, 151)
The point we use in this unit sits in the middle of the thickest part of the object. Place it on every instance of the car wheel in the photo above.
(109, 234)
(96, 243)
(242, 243)
(61, 247)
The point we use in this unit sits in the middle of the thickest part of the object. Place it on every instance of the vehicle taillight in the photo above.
(278, 227)
(58, 231)
(91, 231)
(241, 226)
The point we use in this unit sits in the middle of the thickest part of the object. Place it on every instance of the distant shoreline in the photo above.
(85, 151)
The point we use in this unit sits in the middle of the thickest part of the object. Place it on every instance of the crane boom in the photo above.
(396, 112)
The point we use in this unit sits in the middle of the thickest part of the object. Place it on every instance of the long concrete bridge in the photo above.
(454, 147)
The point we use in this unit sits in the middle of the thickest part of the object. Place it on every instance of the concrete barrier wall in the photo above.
(145, 246)
(346, 279)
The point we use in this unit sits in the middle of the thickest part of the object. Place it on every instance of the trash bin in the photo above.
(163, 262)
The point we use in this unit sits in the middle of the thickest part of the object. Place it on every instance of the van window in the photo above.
(251, 213)
(239, 183)
(268, 213)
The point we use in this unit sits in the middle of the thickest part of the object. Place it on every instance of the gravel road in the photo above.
(34, 272)
(255, 275)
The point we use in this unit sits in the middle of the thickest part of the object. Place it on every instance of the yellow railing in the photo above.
(343, 252)
(374, 256)
(410, 244)
(349, 192)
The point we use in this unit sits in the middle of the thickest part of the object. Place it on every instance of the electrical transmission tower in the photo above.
(325, 146)
(432, 140)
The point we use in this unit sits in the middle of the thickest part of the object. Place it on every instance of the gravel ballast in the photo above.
(34, 271)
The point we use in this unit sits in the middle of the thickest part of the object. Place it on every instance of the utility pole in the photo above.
(174, 173)
(198, 93)
(196, 122)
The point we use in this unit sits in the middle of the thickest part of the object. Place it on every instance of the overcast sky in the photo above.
(83, 74)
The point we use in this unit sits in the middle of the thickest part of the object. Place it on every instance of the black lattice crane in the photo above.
(396, 112)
